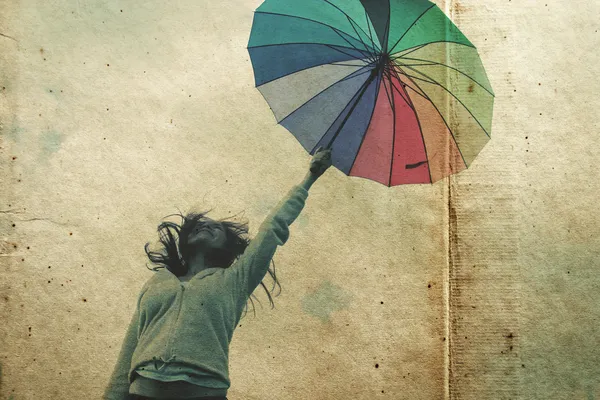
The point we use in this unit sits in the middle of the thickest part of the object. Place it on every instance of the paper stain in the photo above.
(51, 142)
(459, 8)
(15, 133)
(327, 299)
(590, 395)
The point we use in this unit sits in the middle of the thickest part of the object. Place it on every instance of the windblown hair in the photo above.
(176, 253)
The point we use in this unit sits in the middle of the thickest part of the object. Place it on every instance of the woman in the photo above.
(177, 344)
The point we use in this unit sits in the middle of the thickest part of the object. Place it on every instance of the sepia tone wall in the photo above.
(116, 114)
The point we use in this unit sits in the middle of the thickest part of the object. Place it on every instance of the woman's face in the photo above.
(207, 235)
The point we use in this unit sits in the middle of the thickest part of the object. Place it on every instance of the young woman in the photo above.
(177, 344)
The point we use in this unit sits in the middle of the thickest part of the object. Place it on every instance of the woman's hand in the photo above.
(320, 161)
(318, 165)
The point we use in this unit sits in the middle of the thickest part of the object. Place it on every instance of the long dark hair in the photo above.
(176, 253)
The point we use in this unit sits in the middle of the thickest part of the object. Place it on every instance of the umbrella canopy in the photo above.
(393, 87)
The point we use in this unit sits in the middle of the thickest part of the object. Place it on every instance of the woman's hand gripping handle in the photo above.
(320, 162)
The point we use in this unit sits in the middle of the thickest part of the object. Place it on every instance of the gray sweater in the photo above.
(181, 331)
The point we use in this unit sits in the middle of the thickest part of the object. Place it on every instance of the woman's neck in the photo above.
(196, 264)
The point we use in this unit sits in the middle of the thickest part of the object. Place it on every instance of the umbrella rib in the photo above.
(417, 78)
(347, 16)
(306, 19)
(411, 78)
(400, 93)
(328, 87)
(414, 77)
(433, 82)
(313, 43)
(359, 36)
(414, 65)
(386, 92)
(398, 90)
(355, 75)
(419, 47)
(365, 55)
(453, 95)
(416, 91)
(449, 130)
(349, 55)
(393, 136)
(419, 92)
(330, 125)
(387, 28)
(372, 56)
(410, 27)
(404, 96)
(420, 127)
(445, 65)
(342, 64)
(362, 92)
(310, 66)
(393, 107)
(369, 27)
(443, 119)
(424, 146)
(412, 49)
(362, 140)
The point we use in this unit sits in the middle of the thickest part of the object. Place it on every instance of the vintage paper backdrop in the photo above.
(482, 286)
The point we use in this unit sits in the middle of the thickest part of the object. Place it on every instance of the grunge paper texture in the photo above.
(481, 286)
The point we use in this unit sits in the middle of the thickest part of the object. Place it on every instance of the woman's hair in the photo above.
(176, 252)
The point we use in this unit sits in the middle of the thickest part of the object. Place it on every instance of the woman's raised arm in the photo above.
(252, 266)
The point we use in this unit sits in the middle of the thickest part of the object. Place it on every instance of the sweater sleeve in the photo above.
(118, 385)
(252, 266)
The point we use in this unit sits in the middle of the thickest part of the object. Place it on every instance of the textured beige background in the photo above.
(113, 114)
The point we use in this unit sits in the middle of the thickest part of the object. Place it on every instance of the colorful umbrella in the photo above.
(396, 91)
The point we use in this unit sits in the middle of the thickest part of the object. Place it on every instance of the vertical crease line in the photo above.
(449, 264)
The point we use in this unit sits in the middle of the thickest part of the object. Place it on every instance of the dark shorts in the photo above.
(136, 397)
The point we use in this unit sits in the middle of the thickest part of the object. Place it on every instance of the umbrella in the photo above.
(392, 87)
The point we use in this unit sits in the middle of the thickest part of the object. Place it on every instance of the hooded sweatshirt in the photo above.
(181, 331)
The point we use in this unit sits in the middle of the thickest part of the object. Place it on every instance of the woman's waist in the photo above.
(143, 386)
